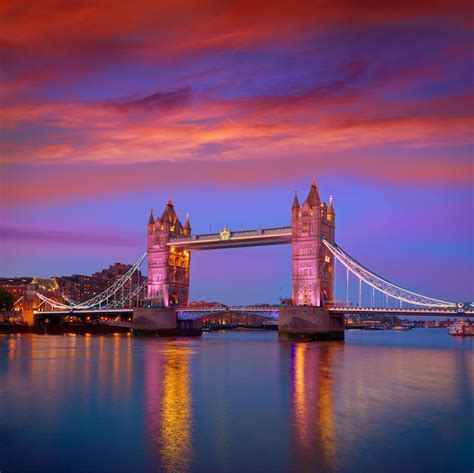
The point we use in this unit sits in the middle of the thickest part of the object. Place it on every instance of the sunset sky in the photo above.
(109, 108)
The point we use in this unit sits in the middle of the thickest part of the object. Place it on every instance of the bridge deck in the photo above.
(230, 239)
(273, 311)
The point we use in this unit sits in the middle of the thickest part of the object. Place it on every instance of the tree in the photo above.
(6, 300)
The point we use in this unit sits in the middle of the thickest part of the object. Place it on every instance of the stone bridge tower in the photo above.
(168, 267)
(313, 265)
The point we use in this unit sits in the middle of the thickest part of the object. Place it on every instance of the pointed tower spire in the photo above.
(296, 203)
(151, 220)
(187, 225)
(331, 214)
(331, 206)
(169, 214)
(313, 195)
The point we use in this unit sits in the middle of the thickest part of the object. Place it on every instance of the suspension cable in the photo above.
(386, 287)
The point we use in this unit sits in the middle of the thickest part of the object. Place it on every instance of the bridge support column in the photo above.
(309, 323)
(30, 301)
(162, 322)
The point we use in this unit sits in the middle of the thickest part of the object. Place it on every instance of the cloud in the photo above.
(226, 88)
(67, 237)
(330, 118)
(56, 182)
(86, 36)
(156, 101)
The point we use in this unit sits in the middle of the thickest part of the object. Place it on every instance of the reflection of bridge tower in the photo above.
(168, 403)
(313, 266)
(313, 404)
(168, 267)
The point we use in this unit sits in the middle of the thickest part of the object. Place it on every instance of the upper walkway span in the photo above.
(230, 239)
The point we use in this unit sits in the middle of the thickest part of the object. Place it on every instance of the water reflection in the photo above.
(313, 405)
(169, 402)
(237, 402)
(73, 363)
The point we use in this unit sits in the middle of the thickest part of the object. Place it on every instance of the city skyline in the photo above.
(107, 112)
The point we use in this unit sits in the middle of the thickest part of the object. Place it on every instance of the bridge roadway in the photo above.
(271, 312)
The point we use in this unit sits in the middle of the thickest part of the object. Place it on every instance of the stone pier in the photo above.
(309, 323)
(162, 322)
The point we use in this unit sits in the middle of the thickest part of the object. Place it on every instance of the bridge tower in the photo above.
(168, 267)
(313, 265)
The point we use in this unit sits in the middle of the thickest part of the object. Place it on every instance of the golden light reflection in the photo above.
(175, 434)
(87, 363)
(299, 397)
(128, 364)
(325, 419)
(45, 360)
(168, 402)
(12, 348)
(313, 403)
(102, 368)
(116, 364)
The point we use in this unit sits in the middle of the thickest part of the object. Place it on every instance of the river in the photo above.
(233, 401)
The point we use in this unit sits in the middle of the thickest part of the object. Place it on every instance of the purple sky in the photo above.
(109, 109)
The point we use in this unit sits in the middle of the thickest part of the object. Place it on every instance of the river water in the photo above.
(233, 401)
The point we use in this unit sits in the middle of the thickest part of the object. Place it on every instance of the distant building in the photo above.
(79, 288)
(69, 289)
(15, 286)
(113, 272)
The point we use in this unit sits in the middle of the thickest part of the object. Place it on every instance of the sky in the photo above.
(109, 108)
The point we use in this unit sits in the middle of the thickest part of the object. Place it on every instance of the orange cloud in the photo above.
(78, 36)
(343, 120)
(131, 130)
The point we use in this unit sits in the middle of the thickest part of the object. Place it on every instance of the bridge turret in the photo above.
(187, 226)
(306, 231)
(331, 214)
(168, 267)
(151, 220)
(151, 229)
(295, 208)
(328, 230)
(313, 195)
(170, 220)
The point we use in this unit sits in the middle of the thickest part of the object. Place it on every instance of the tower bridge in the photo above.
(163, 300)
(170, 244)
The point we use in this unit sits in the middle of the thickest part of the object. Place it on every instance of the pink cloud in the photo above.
(331, 124)
(91, 237)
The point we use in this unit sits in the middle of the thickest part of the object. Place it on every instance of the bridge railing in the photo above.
(205, 237)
